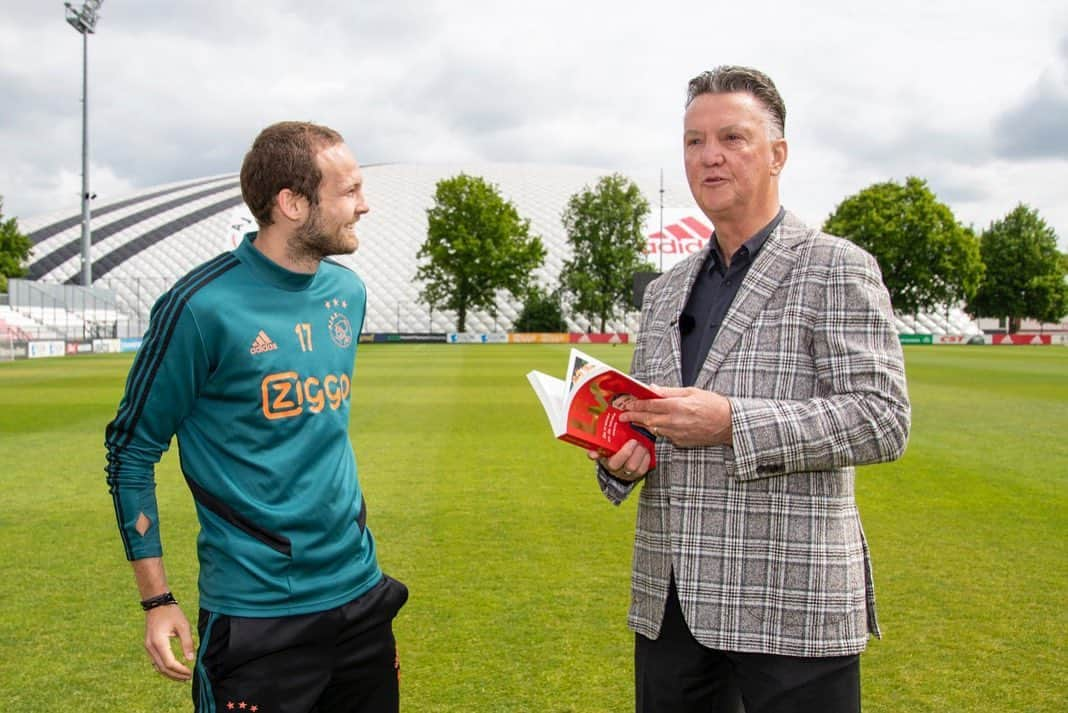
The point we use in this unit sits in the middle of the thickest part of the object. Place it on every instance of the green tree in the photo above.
(541, 313)
(14, 249)
(476, 245)
(604, 229)
(1025, 272)
(927, 258)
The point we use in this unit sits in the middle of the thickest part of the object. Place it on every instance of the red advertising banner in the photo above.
(959, 339)
(599, 338)
(1021, 339)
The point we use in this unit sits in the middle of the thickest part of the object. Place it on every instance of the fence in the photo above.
(130, 301)
(40, 310)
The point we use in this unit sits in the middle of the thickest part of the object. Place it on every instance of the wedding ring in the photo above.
(656, 431)
(627, 473)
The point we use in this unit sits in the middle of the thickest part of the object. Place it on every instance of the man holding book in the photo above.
(775, 352)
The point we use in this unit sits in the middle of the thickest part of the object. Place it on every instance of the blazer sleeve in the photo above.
(860, 412)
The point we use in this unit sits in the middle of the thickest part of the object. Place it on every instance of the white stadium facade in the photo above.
(142, 243)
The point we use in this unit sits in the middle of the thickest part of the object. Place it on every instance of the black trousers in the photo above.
(342, 660)
(676, 674)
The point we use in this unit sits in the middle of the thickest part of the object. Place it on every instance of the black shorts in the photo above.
(342, 660)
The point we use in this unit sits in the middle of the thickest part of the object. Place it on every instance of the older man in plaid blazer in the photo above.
(776, 354)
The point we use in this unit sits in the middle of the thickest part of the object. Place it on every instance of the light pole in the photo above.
(661, 251)
(84, 21)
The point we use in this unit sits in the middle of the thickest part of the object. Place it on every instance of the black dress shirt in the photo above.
(711, 296)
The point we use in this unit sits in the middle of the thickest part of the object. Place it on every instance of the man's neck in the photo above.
(273, 242)
(732, 234)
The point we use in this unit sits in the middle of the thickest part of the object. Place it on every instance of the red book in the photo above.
(584, 409)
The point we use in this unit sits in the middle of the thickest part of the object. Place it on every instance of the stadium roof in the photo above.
(141, 243)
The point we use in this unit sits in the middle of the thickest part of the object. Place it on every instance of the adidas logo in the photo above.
(262, 343)
(685, 229)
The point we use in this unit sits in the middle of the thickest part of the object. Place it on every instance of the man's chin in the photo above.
(345, 243)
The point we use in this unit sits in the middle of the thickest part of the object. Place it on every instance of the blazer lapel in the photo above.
(680, 293)
(772, 266)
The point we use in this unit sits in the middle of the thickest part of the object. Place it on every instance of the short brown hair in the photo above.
(283, 156)
(726, 79)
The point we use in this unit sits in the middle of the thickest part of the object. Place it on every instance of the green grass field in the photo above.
(519, 569)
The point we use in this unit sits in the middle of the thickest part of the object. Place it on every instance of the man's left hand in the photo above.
(687, 417)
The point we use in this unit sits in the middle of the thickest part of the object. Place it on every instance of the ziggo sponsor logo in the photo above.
(286, 394)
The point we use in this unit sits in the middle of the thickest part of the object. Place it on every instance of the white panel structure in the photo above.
(142, 243)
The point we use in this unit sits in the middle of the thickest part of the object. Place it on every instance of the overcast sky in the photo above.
(972, 96)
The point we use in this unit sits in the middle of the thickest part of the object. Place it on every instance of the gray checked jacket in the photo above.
(764, 536)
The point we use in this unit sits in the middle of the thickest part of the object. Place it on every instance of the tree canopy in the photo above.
(476, 245)
(927, 258)
(541, 313)
(14, 249)
(604, 228)
(1025, 272)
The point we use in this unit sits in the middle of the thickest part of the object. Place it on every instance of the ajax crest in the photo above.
(340, 330)
(339, 326)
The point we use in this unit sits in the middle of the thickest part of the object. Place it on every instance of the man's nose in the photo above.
(711, 154)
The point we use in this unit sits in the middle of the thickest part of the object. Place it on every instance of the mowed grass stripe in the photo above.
(70, 628)
(519, 569)
(473, 504)
(968, 532)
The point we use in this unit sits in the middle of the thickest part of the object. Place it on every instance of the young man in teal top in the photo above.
(248, 359)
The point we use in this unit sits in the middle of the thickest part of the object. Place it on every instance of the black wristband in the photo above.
(160, 600)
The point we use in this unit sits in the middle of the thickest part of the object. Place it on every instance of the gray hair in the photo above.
(727, 79)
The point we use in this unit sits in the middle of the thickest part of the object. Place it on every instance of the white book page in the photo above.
(551, 392)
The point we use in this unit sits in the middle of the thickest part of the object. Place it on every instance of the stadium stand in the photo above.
(143, 242)
(16, 326)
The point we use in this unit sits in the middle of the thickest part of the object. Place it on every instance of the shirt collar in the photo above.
(750, 247)
(270, 271)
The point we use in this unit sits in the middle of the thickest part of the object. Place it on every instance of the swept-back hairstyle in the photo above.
(732, 78)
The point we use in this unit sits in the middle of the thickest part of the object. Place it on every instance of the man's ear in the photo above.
(291, 206)
(779, 151)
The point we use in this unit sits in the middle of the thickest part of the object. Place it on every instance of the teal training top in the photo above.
(251, 366)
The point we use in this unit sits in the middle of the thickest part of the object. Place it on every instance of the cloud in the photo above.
(956, 190)
(178, 90)
(254, 24)
(1038, 126)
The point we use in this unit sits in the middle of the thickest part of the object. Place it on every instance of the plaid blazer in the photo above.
(764, 536)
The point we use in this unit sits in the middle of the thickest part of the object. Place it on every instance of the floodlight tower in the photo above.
(661, 251)
(84, 21)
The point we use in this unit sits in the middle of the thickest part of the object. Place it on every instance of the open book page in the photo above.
(584, 409)
(551, 392)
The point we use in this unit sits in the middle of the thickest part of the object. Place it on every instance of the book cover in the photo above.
(584, 409)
